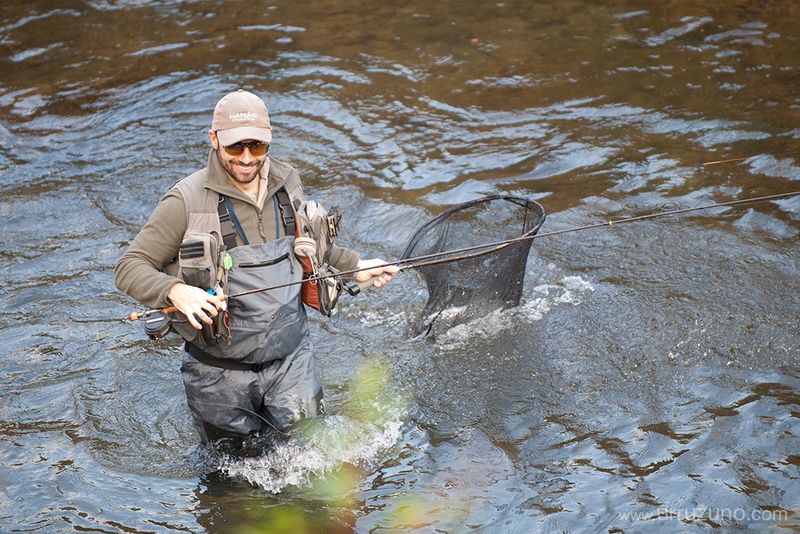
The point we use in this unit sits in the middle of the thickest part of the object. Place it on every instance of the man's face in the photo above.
(244, 167)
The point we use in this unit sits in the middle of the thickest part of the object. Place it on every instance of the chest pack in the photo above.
(202, 257)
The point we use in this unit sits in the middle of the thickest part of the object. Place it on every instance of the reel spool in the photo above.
(305, 247)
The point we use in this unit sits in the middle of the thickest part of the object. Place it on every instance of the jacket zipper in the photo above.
(261, 226)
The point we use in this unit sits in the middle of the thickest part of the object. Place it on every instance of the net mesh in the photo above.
(481, 280)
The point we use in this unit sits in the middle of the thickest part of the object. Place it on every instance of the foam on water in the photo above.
(534, 307)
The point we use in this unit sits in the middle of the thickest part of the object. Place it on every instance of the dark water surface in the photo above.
(649, 380)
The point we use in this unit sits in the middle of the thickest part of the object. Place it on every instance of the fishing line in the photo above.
(430, 259)
(478, 250)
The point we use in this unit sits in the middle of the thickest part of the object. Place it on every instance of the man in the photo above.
(262, 374)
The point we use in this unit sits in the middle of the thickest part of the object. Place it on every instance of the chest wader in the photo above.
(264, 378)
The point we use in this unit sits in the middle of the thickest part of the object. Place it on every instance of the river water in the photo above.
(649, 379)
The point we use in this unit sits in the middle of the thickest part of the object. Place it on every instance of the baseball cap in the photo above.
(241, 115)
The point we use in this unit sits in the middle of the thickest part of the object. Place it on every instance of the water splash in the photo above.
(370, 424)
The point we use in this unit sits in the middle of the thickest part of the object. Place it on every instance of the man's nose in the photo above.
(246, 156)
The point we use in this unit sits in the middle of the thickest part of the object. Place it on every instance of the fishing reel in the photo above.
(156, 324)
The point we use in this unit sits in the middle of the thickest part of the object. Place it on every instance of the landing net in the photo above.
(481, 280)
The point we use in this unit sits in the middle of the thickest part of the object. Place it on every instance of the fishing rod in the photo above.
(743, 158)
(448, 256)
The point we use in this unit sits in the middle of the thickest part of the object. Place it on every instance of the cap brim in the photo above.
(234, 135)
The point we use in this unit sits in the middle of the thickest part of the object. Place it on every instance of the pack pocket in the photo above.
(322, 294)
(198, 257)
(265, 263)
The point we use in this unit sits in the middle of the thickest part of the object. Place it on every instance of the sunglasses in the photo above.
(257, 148)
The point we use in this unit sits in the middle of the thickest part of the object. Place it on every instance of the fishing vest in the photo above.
(263, 326)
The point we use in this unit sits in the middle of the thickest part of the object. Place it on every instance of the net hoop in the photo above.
(421, 233)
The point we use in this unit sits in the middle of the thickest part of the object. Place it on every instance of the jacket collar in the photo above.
(217, 180)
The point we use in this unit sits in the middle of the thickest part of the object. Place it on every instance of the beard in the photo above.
(244, 174)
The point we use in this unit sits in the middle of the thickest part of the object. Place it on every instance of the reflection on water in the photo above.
(649, 379)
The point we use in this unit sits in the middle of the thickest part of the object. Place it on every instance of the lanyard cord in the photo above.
(235, 220)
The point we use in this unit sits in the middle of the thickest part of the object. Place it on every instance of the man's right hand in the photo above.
(194, 303)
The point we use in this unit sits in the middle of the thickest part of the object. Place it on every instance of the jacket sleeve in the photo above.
(343, 259)
(139, 271)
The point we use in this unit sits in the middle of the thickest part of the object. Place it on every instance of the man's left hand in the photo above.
(380, 275)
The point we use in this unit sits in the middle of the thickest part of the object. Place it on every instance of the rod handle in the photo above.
(366, 284)
(135, 316)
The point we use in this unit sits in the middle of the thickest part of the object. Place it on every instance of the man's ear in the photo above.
(214, 141)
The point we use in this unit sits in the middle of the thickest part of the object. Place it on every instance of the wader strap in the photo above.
(226, 226)
(277, 210)
(222, 363)
(287, 213)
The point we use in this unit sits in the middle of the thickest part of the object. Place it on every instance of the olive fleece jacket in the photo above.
(139, 272)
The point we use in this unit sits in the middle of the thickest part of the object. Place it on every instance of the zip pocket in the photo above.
(251, 265)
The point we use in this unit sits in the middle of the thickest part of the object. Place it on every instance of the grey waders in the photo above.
(265, 379)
